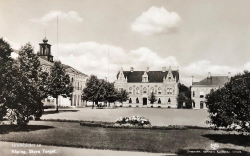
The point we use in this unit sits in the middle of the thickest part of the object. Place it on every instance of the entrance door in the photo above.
(201, 105)
(144, 101)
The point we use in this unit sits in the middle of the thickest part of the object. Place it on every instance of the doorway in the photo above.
(145, 101)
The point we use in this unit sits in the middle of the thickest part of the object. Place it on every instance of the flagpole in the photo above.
(57, 40)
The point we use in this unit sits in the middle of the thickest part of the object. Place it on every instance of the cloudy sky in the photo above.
(101, 36)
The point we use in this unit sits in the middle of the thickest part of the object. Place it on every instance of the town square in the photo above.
(123, 77)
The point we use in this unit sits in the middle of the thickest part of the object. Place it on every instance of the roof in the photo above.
(45, 62)
(69, 67)
(153, 76)
(213, 81)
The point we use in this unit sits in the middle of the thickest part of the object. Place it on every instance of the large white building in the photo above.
(200, 89)
(77, 78)
(140, 84)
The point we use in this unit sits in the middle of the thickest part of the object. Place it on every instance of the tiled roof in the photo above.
(153, 76)
(213, 81)
(78, 72)
(45, 62)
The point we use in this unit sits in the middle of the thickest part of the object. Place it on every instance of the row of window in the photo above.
(202, 103)
(168, 90)
(159, 100)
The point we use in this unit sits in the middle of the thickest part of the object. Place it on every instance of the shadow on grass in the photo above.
(60, 111)
(235, 139)
(220, 151)
(14, 128)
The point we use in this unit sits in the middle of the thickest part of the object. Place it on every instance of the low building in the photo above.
(77, 78)
(200, 89)
(140, 84)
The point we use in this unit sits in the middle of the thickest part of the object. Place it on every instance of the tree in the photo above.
(22, 88)
(123, 96)
(59, 83)
(110, 93)
(229, 106)
(152, 98)
(94, 90)
(184, 96)
(5, 67)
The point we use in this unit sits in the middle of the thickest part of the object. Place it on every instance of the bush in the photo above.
(159, 106)
(137, 106)
(129, 106)
(151, 106)
(169, 107)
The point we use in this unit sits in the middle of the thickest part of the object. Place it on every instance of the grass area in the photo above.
(157, 116)
(73, 135)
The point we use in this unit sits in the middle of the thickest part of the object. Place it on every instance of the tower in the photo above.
(45, 51)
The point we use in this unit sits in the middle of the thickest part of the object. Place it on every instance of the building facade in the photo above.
(200, 89)
(140, 84)
(77, 78)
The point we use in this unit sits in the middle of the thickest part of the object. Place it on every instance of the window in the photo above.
(137, 90)
(130, 90)
(152, 90)
(159, 101)
(193, 94)
(130, 100)
(168, 90)
(159, 90)
(137, 100)
(169, 100)
(144, 90)
(201, 94)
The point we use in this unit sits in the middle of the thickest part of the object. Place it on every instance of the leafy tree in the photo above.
(229, 106)
(184, 96)
(122, 96)
(59, 83)
(5, 67)
(94, 90)
(152, 98)
(22, 90)
(110, 93)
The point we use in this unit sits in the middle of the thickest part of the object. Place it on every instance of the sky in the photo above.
(102, 36)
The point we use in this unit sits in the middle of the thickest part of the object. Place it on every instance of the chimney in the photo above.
(229, 75)
(163, 69)
(131, 69)
(147, 69)
(192, 79)
(209, 75)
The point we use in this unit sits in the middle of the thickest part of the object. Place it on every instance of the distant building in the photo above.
(77, 78)
(200, 89)
(140, 84)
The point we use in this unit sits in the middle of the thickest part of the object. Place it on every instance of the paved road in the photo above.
(11, 149)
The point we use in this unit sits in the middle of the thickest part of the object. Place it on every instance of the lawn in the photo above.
(74, 135)
(157, 116)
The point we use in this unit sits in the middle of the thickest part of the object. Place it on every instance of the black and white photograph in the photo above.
(124, 77)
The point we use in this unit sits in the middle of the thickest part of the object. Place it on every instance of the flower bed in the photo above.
(134, 120)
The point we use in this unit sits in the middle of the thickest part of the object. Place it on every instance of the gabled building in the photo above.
(200, 89)
(140, 84)
(77, 78)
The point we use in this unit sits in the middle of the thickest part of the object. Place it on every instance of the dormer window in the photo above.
(145, 77)
(137, 90)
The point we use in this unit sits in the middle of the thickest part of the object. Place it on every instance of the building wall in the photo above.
(78, 81)
(143, 90)
(198, 94)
